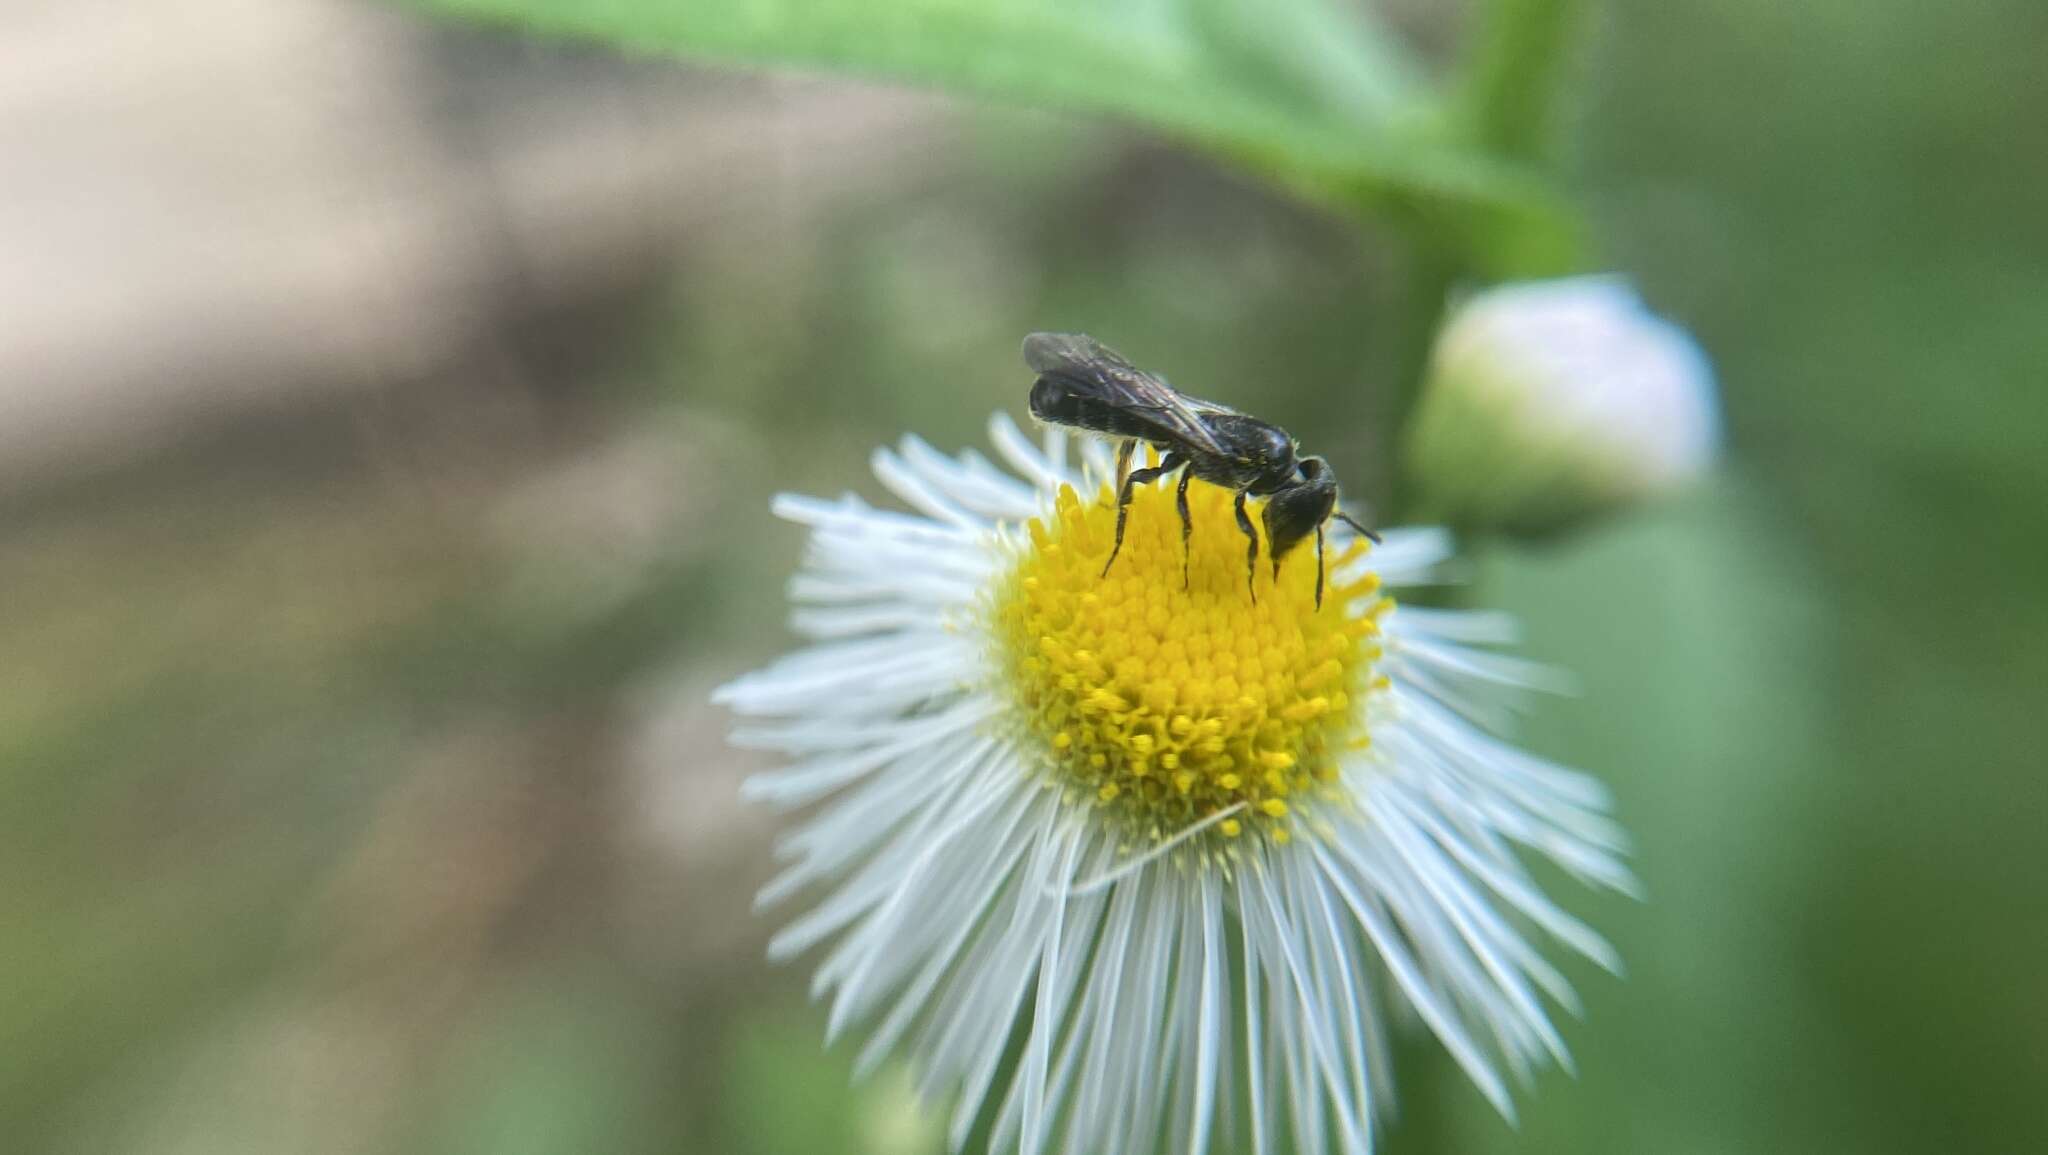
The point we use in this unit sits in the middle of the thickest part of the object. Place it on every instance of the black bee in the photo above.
(1083, 385)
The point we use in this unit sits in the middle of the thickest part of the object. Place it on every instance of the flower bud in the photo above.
(1549, 401)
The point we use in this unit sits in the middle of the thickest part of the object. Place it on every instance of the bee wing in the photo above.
(1089, 367)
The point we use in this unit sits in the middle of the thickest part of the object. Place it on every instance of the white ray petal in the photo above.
(816, 777)
(1467, 627)
(879, 880)
(960, 913)
(1210, 1025)
(1056, 442)
(1025, 458)
(1259, 906)
(883, 924)
(1420, 993)
(1002, 999)
(1498, 669)
(1500, 876)
(1494, 950)
(1083, 993)
(850, 516)
(1146, 1022)
(1254, 1051)
(969, 481)
(919, 493)
(1120, 926)
(1037, 1063)
(1328, 951)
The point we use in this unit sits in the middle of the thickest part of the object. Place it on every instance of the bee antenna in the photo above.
(1348, 520)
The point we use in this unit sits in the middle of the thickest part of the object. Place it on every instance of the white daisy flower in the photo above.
(1183, 854)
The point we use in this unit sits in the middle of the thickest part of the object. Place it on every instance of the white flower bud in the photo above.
(1547, 401)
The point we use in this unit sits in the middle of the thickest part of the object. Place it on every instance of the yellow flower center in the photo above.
(1167, 706)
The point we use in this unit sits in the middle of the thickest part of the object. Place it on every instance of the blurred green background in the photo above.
(392, 407)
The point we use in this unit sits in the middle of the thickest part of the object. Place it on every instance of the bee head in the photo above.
(1294, 511)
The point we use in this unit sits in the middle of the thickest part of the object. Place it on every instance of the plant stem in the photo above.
(1515, 74)
(1433, 271)
(1507, 105)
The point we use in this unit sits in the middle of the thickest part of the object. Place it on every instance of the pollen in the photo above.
(1163, 705)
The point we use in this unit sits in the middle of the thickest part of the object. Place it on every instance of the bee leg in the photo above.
(1187, 524)
(1123, 497)
(1132, 480)
(1251, 549)
(1319, 567)
(1124, 449)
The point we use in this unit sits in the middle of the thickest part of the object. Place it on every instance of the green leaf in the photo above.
(1313, 96)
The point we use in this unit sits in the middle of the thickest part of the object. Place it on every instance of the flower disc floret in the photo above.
(1166, 705)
